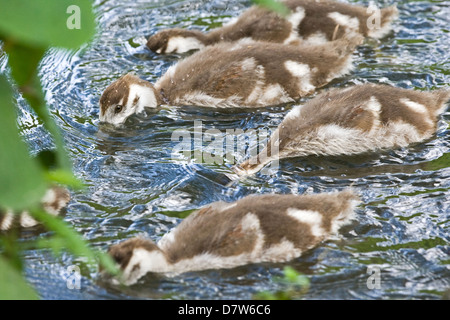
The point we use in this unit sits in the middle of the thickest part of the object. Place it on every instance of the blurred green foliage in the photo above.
(28, 28)
(294, 286)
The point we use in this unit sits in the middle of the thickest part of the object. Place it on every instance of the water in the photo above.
(135, 186)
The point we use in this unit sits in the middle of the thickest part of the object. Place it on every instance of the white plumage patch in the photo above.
(374, 106)
(143, 261)
(294, 113)
(334, 140)
(302, 72)
(250, 64)
(414, 106)
(274, 92)
(50, 199)
(442, 108)
(183, 44)
(402, 134)
(7, 221)
(281, 252)
(316, 38)
(297, 69)
(26, 221)
(239, 44)
(334, 131)
(253, 97)
(261, 94)
(167, 240)
(250, 221)
(295, 19)
(206, 261)
(146, 98)
(202, 99)
(419, 108)
(312, 218)
(345, 20)
(250, 224)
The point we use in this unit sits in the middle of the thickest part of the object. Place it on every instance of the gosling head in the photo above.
(126, 96)
(176, 41)
(136, 257)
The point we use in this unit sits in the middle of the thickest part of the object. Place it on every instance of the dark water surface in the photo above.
(135, 186)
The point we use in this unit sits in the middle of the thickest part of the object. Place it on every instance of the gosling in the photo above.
(255, 229)
(245, 74)
(309, 22)
(353, 120)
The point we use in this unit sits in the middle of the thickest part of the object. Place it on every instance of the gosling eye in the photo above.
(118, 109)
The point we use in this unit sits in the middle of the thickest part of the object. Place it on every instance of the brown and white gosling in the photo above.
(310, 22)
(53, 202)
(263, 228)
(353, 120)
(245, 74)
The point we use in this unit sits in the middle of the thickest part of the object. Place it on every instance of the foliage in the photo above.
(43, 23)
(22, 181)
(295, 286)
(13, 285)
(27, 30)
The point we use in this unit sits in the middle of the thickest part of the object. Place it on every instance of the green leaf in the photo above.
(295, 286)
(22, 181)
(13, 285)
(24, 61)
(292, 276)
(45, 23)
(10, 249)
(273, 5)
(66, 178)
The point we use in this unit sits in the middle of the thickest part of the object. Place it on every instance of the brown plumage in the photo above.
(254, 229)
(354, 120)
(310, 21)
(245, 74)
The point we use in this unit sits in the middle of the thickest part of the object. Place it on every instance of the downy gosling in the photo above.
(255, 229)
(245, 74)
(353, 120)
(309, 22)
